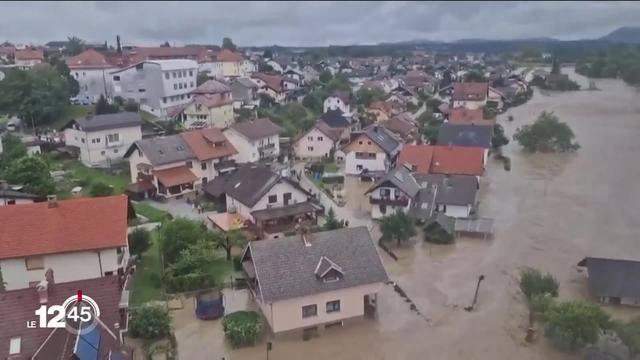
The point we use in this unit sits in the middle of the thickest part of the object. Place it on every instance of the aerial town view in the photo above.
(319, 180)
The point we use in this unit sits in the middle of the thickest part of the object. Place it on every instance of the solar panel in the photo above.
(88, 345)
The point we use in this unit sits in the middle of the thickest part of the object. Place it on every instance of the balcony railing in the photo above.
(224, 164)
(267, 147)
(401, 201)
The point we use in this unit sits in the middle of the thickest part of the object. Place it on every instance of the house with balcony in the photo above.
(103, 139)
(392, 193)
(271, 85)
(233, 64)
(178, 164)
(244, 93)
(161, 87)
(255, 140)
(310, 282)
(319, 142)
(452, 195)
(374, 150)
(267, 202)
(211, 106)
(76, 239)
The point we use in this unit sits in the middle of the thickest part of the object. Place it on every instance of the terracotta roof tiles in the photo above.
(417, 157)
(458, 160)
(208, 144)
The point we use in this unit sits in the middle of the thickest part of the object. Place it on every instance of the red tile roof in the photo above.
(29, 55)
(227, 55)
(89, 59)
(212, 100)
(457, 160)
(201, 54)
(466, 116)
(418, 157)
(470, 91)
(272, 81)
(18, 306)
(203, 144)
(175, 176)
(73, 225)
(400, 126)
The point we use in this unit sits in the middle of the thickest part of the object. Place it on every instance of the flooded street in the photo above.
(550, 211)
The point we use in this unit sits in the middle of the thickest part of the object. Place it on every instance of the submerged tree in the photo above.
(546, 134)
(398, 227)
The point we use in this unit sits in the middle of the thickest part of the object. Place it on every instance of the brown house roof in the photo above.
(257, 129)
(73, 225)
(89, 59)
(466, 116)
(208, 144)
(418, 157)
(175, 176)
(457, 160)
(29, 55)
(227, 55)
(212, 100)
(400, 126)
(273, 82)
(470, 91)
(201, 54)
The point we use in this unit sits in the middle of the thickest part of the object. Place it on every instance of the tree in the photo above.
(498, 139)
(100, 189)
(398, 227)
(435, 233)
(242, 328)
(268, 54)
(103, 107)
(266, 100)
(430, 125)
(533, 283)
(12, 150)
(61, 67)
(332, 223)
(547, 133)
(33, 173)
(230, 240)
(433, 104)
(228, 44)
(178, 234)
(629, 334)
(202, 78)
(325, 76)
(74, 46)
(139, 241)
(150, 322)
(245, 114)
(573, 324)
(313, 103)
(194, 260)
(366, 96)
(165, 44)
(131, 106)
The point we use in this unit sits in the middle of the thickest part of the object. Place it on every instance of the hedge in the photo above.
(190, 282)
(242, 328)
(335, 179)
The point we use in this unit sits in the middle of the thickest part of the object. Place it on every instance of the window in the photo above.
(359, 142)
(320, 138)
(175, 86)
(115, 78)
(115, 151)
(102, 152)
(179, 75)
(203, 165)
(167, 76)
(310, 138)
(108, 273)
(189, 164)
(333, 306)
(359, 167)
(184, 73)
(309, 311)
(191, 84)
(14, 345)
(190, 72)
(93, 141)
(142, 90)
(113, 138)
(368, 142)
(273, 199)
(175, 74)
(164, 100)
(204, 180)
(309, 148)
(180, 86)
(98, 140)
(82, 140)
(34, 263)
(182, 97)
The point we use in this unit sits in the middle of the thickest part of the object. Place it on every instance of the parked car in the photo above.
(81, 100)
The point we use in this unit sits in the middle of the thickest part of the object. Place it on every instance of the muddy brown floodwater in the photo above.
(551, 210)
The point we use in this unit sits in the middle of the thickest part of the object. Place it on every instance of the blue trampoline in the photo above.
(209, 305)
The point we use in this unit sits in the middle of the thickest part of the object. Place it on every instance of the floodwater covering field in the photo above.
(550, 211)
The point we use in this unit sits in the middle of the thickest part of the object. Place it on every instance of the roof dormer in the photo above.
(328, 271)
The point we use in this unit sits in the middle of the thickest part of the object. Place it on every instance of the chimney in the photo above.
(48, 275)
(52, 200)
(43, 291)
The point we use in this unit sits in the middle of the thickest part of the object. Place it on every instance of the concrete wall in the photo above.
(66, 267)
(321, 145)
(379, 163)
(287, 314)
(93, 82)
(456, 211)
(94, 147)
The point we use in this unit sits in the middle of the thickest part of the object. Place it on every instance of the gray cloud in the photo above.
(308, 23)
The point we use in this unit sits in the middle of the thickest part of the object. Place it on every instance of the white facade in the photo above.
(247, 67)
(26, 64)
(157, 85)
(334, 102)
(379, 211)
(355, 162)
(470, 104)
(277, 190)
(66, 267)
(287, 315)
(253, 150)
(214, 68)
(314, 144)
(94, 82)
(5, 201)
(102, 147)
(455, 211)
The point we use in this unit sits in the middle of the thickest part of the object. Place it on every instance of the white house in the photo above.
(91, 70)
(394, 192)
(212, 106)
(311, 282)
(339, 100)
(469, 95)
(103, 139)
(27, 58)
(272, 85)
(373, 150)
(318, 142)
(75, 239)
(255, 140)
(158, 86)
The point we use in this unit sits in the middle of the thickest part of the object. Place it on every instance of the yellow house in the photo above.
(231, 63)
(212, 106)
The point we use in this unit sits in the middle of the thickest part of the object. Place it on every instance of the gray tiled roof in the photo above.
(465, 135)
(452, 189)
(613, 278)
(163, 150)
(109, 121)
(285, 267)
(335, 119)
(383, 138)
(402, 179)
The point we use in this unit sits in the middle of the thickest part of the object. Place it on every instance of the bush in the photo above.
(188, 282)
(237, 263)
(533, 282)
(139, 241)
(434, 233)
(573, 324)
(131, 106)
(150, 322)
(242, 328)
(339, 179)
(539, 304)
(99, 189)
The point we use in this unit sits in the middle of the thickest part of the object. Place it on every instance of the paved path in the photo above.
(177, 208)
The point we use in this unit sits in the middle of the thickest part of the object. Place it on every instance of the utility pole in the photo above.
(475, 297)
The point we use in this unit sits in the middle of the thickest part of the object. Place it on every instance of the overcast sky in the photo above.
(306, 23)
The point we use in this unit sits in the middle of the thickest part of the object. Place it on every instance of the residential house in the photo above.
(7, 53)
(381, 110)
(466, 135)
(340, 100)
(255, 140)
(244, 93)
(464, 116)
(233, 65)
(10, 196)
(452, 195)
(336, 119)
(27, 58)
(211, 106)
(404, 127)
(161, 87)
(372, 150)
(314, 281)
(613, 280)
(272, 85)
(471, 95)
(91, 70)
(318, 142)
(103, 139)
(175, 165)
(445, 160)
(199, 54)
(76, 239)
(392, 193)
(270, 203)
(310, 74)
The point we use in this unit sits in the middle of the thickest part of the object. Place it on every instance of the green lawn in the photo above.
(152, 213)
(80, 175)
(147, 280)
(330, 167)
